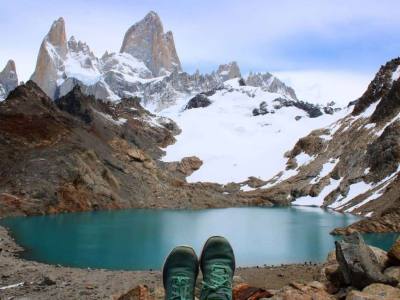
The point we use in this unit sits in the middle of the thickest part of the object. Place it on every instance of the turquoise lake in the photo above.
(139, 239)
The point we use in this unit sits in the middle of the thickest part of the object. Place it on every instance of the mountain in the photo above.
(78, 154)
(50, 62)
(352, 165)
(147, 67)
(147, 42)
(241, 131)
(8, 79)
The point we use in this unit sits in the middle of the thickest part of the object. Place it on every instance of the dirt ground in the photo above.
(22, 279)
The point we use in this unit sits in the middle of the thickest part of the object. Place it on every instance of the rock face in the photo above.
(147, 67)
(8, 79)
(53, 51)
(229, 71)
(269, 82)
(78, 153)
(358, 263)
(352, 165)
(147, 42)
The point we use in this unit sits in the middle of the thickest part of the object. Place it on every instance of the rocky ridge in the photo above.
(34, 280)
(8, 79)
(147, 66)
(78, 153)
(353, 165)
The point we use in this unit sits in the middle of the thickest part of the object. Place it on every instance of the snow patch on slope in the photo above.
(232, 143)
(318, 200)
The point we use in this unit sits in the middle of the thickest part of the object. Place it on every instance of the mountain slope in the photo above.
(242, 131)
(353, 164)
(78, 153)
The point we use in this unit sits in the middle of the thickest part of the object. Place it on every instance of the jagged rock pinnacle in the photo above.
(8, 79)
(147, 41)
(53, 51)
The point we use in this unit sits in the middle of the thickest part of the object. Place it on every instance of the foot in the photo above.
(179, 274)
(217, 263)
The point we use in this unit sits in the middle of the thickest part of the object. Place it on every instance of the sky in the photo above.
(326, 49)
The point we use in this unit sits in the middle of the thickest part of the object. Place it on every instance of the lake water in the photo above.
(139, 239)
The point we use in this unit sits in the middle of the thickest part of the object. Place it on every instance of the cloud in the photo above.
(324, 86)
(335, 36)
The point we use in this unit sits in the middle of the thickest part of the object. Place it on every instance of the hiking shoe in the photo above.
(217, 263)
(179, 274)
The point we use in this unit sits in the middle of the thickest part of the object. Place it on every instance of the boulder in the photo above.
(394, 252)
(141, 292)
(375, 291)
(189, 164)
(334, 275)
(244, 291)
(381, 256)
(197, 101)
(358, 263)
(242, 82)
(393, 272)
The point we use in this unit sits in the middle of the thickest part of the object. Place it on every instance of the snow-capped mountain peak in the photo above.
(8, 79)
(147, 42)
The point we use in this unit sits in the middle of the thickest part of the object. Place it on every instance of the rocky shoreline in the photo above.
(24, 279)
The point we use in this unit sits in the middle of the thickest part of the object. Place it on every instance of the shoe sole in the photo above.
(204, 246)
(194, 254)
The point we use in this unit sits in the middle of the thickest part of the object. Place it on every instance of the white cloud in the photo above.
(323, 86)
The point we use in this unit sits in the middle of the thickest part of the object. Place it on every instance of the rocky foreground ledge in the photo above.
(354, 272)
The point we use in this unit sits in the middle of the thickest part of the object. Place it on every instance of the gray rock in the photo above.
(229, 71)
(358, 264)
(199, 100)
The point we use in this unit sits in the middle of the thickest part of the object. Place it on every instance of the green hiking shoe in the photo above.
(217, 263)
(179, 274)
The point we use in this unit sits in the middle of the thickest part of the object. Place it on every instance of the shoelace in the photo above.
(180, 288)
(219, 282)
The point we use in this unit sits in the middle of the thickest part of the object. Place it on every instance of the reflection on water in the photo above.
(140, 239)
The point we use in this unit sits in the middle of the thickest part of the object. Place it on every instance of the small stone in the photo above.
(47, 281)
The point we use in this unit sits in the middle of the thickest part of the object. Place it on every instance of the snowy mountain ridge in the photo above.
(353, 164)
(136, 70)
